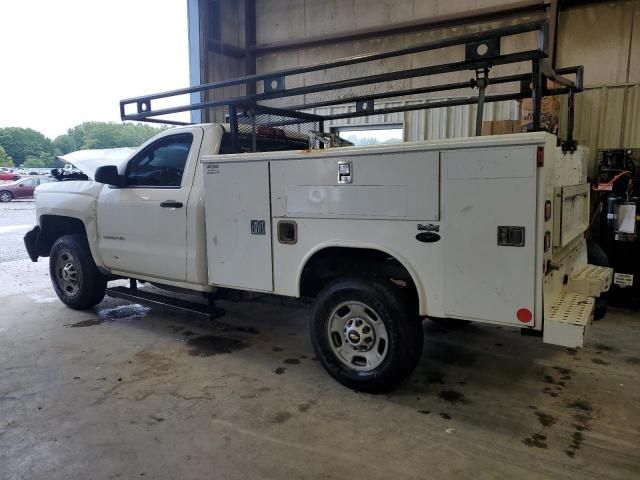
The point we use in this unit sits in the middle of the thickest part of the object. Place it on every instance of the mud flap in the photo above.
(31, 243)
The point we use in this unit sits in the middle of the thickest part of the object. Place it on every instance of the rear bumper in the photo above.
(31, 243)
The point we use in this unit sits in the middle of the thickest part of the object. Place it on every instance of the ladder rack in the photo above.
(482, 51)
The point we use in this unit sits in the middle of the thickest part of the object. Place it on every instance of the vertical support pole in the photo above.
(536, 94)
(197, 52)
(321, 130)
(133, 285)
(249, 42)
(570, 144)
(554, 19)
(480, 110)
(481, 82)
(233, 124)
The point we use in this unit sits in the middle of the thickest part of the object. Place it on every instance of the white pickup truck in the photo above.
(485, 229)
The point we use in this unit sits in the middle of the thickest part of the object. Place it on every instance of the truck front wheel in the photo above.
(364, 334)
(74, 275)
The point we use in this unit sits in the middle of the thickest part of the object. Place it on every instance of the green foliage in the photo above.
(103, 135)
(20, 143)
(5, 159)
(33, 162)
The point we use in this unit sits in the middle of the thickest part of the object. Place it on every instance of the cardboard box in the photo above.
(500, 127)
(549, 115)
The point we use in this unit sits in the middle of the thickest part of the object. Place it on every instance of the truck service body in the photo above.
(487, 229)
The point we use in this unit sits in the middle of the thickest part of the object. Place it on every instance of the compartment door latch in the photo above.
(509, 236)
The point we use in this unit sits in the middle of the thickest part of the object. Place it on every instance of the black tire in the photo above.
(5, 196)
(384, 303)
(597, 256)
(71, 254)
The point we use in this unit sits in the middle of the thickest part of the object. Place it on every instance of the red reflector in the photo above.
(547, 210)
(524, 315)
(540, 157)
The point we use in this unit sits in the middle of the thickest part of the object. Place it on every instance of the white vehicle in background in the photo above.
(486, 229)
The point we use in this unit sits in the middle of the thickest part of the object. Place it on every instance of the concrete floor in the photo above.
(125, 392)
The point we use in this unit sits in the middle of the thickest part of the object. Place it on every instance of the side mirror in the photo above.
(108, 174)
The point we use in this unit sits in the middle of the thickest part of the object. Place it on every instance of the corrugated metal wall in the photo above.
(431, 124)
(606, 117)
(604, 37)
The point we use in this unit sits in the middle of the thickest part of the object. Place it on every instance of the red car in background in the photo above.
(22, 188)
(9, 176)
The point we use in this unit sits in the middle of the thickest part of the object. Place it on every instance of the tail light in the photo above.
(547, 210)
(547, 240)
(540, 156)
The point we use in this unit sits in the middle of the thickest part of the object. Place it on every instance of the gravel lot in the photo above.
(16, 218)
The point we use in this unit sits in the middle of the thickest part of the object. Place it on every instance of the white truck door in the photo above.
(489, 218)
(142, 227)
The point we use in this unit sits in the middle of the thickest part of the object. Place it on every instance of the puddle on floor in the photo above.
(209, 345)
(122, 313)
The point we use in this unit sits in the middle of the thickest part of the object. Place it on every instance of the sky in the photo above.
(64, 62)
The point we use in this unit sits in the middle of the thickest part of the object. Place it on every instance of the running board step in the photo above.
(183, 306)
(568, 320)
(591, 281)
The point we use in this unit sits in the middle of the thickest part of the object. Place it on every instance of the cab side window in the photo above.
(161, 164)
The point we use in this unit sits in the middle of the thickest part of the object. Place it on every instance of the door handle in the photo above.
(171, 204)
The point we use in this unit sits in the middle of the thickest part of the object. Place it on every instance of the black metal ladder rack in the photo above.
(482, 52)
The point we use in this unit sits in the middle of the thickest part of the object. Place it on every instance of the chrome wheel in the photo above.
(5, 197)
(68, 274)
(357, 336)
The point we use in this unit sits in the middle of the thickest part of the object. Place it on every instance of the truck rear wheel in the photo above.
(364, 334)
(74, 275)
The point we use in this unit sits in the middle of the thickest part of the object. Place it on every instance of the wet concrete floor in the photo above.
(124, 391)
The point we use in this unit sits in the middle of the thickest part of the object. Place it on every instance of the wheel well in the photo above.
(334, 262)
(53, 227)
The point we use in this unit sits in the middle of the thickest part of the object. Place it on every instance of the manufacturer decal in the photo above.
(427, 237)
(623, 279)
(258, 227)
(428, 227)
(113, 237)
(213, 168)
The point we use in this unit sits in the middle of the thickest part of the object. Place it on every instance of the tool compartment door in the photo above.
(238, 225)
(489, 199)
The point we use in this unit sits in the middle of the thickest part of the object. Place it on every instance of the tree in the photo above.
(64, 144)
(33, 162)
(5, 159)
(103, 135)
(20, 143)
